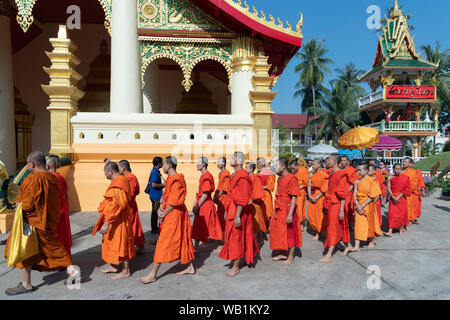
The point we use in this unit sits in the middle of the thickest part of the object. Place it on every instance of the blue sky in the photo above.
(342, 24)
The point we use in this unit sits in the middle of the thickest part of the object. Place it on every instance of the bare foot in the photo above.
(121, 275)
(408, 229)
(371, 246)
(109, 270)
(218, 249)
(347, 249)
(232, 273)
(188, 270)
(387, 234)
(147, 280)
(279, 257)
(316, 237)
(325, 259)
(355, 250)
(288, 262)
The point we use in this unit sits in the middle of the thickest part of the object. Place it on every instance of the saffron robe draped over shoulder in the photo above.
(367, 225)
(239, 242)
(268, 181)
(174, 241)
(302, 176)
(256, 208)
(206, 223)
(352, 176)
(398, 212)
(118, 241)
(39, 195)
(224, 185)
(138, 233)
(412, 200)
(418, 198)
(284, 236)
(381, 181)
(378, 205)
(319, 183)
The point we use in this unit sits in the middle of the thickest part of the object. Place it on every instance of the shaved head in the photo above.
(38, 158)
(240, 157)
(112, 166)
(124, 164)
(52, 164)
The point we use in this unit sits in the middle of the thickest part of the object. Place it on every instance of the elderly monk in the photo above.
(39, 195)
(317, 186)
(115, 223)
(174, 241)
(413, 199)
(138, 233)
(257, 203)
(299, 170)
(64, 232)
(334, 207)
(352, 176)
(240, 239)
(285, 229)
(268, 181)
(206, 221)
(373, 174)
(399, 189)
(367, 192)
(221, 194)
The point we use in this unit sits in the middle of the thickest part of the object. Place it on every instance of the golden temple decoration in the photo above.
(299, 26)
(107, 7)
(244, 53)
(25, 13)
(271, 19)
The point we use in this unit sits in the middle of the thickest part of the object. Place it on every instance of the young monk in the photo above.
(39, 195)
(334, 207)
(399, 189)
(412, 200)
(317, 186)
(174, 241)
(115, 223)
(268, 181)
(206, 221)
(367, 192)
(420, 193)
(240, 239)
(285, 231)
(64, 231)
(372, 173)
(220, 196)
(380, 178)
(256, 203)
(138, 233)
(299, 170)
(352, 177)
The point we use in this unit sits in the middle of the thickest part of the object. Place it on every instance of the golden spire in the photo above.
(396, 12)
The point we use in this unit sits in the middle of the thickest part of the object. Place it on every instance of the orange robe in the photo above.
(337, 230)
(268, 181)
(256, 208)
(367, 225)
(174, 241)
(302, 177)
(64, 232)
(206, 223)
(224, 184)
(378, 205)
(284, 236)
(239, 242)
(381, 181)
(352, 176)
(319, 183)
(138, 233)
(421, 184)
(398, 212)
(412, 200)
(118, 242)
(39, 194)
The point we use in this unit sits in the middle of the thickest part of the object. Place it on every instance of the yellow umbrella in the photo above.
(359, 138)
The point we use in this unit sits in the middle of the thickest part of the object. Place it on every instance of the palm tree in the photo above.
(312, 67)
(348, 76)
(338, 114)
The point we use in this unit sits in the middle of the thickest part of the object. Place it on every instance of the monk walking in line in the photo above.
(206, 221)
(367, 192)
(372, 173)
(138, 233)
(412, 200)
(285, 230)
(63, 230)
(256, 203)
(420, 193)
(268, 181)
(39, 195)
(399, 189)
(115, 223)
(221, 195)
(352, 177)
(240, 239)
(174, 241)
(317, 187)
(381, 180)
(334, 206)
(299, 170)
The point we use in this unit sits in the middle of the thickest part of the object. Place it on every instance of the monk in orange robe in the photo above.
(257, 203)
(300, 171)
(64, 232)
(221, 195)
(412, 200)
(39, 195)
(206, 221)
(334, 207)
(285, 229)
(317, 187)
(174, 241)
(352, 176)
(367, 192)
(115, 223)
(138, 233)
(420, 193)
(240, 239)
(399, 189)
(373, 174)
(268, 181)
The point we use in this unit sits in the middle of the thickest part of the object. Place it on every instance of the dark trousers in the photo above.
(155, 207)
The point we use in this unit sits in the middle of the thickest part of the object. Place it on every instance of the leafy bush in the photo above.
(446, 146)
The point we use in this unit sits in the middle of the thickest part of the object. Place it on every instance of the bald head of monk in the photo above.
(372, 162)
(363, 170)
(52, 164)
(170, 165)
(124, 166)
(202, 164)
(221, 163)
(372, 171)
(281, 166)
(294, 166)
(333, 161)
(345, 162)
(407, 163)
(237, 160)
(111, 170)
(260, 163)
(36, 162)
(250, 167)
(317, 165)
(58, 160)
(397, 169)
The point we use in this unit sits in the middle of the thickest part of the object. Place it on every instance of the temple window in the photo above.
(137, 136)
(81, 135)
(155, 136)
(100, 135)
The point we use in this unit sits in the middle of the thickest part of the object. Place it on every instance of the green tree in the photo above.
(348, 76)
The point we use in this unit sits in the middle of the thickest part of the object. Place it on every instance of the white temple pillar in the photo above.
(7, 122)
(126, 91)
